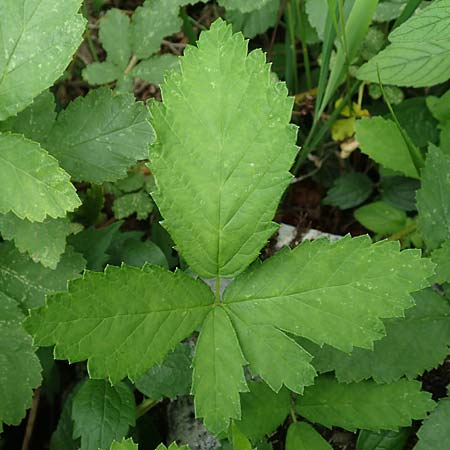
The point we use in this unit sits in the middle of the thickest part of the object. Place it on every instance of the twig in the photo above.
(31, 420)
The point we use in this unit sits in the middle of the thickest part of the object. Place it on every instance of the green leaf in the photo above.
(243, 6)
(39, 38)
(102, 413)
(381, 217)
(44, 241)
(240, 441)
(118, 336)
(137, 202)
(33, 185)
(349, 190)
(440, 106)
(263, 410)
(172, 446)
(101, 73)
(435, 431)
(345, 287)
(365, 405)
(399, 192)
(220, 148)
(93, 244)
(441, 257)
(148, 30)
(115, 37)
(153, 69)
(20, 371)
(383, 142)
(130, 249)
(389, 10)
(124, 444)
(254, 22)
(36, 121)
(413, 344)
(172, 378)
(28, 282)
(97, 137)
(302, 436)
(383, 440)
(420, 51)
(218, 375)
(432, 198)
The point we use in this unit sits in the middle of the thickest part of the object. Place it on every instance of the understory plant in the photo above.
(332, 334)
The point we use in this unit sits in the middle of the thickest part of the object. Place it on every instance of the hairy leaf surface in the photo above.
(435, 431)
(20, 370)
(99, 136)
(39, 38)
(215, 149)
(28, 282)
(45, 241)
(432, 198)
(33, 185)
(414, 344)
(102, 413)
(365, 405)
(123, 320)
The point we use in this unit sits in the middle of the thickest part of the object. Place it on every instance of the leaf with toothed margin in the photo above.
(123, 320)
(225, 153)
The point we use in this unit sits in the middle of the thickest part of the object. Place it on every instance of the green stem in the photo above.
(291, 50)
(88, 36)
(131, 64)
(302, 22)
(403, 232)
(187, 26)
(145, 406)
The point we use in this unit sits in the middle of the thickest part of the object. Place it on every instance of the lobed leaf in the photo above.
(39, 38)
(365, 405)
(113, 319)
(97, 137)
(33, 185)
(215, 148)
(124, 444)
(20, 370)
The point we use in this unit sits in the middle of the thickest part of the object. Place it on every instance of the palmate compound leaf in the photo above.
(123, 320)
(99, 136)
(366, 405)
(224, 153)
(413, 344)
(33, 185)
(38, 39)
(20, 370)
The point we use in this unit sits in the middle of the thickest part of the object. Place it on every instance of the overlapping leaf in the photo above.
(124, 444)
(215, 149)
(420, 51)
(39, 38)
(244, 6)
(365, 405)
(20, 371)
(102, 413)
(435, 431)
(432, 198)
(99, 136)
(414, 344)
(45, 241)
(33, 185)
(302, 436)
(28, 282)
(123, 320)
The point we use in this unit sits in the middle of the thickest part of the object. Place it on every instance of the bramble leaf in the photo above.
(214, 150)
(302, 436)
(218, 375)
(117, 335)
(383, 440)
(28, 282)
(97, 137)
(153, 69)
(365, 405)
(413, 344)
(432, 198)
(39, 38)
(45, 241)
(124, 444)
(441, 257)
(20, 370)
(435, 431)
(382, 140)
(419, 54)
(33, 185)
(136, 202)
(102, 413)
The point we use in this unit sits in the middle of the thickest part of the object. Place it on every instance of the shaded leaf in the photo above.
(381, 217)
(399, 192)
(435, 431)
(153, 69)
(383, 440)
(302, 436)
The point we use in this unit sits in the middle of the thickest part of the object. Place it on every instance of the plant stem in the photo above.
(31, 420)
(145, 406)
(131, 64)
(302, 21)
(403, 232)
(291, 50)
(187, 26)
(88, 36)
